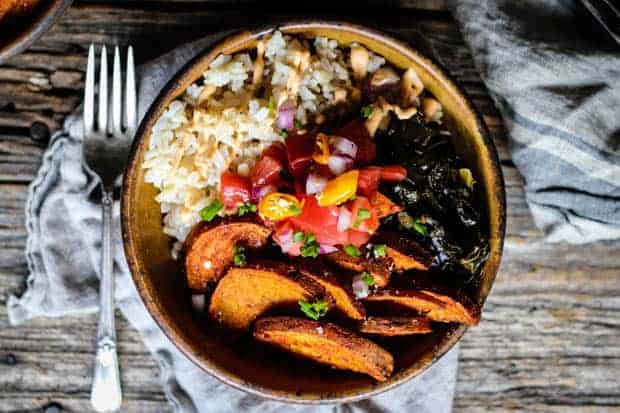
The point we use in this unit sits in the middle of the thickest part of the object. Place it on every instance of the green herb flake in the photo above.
(366, 111)
(299, 236)
(314, 310)
(362, 215)
(352, 250)
(239, 257)
(294, 209)
(379, 250)
(210, 211)
(272, 105)
(298, 124)
(246, 208)
(420, 227)
(367, 278)
(284, 133)
(310, 247)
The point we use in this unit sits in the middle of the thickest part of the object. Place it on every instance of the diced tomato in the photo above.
(283, 236)
(368, 180)
(357, 133)
(393, 173)
(234, 190)
(266, 170)
(320, 221)
(369, 224)
(299, 150)
(357, 238)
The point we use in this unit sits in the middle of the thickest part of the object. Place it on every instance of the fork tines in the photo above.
(119, 127)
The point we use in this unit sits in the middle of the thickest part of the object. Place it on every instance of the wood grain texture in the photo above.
(550, 335)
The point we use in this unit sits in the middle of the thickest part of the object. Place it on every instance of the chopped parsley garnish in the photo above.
(417, 224)
(314, 310)
(366, 111)
(239, 257)
(284, 133)
(379, 250)
(310, 247)
(367, 278)
(362, 214)
(272, 105)
(210, 211)
(352, 250)
(298, 124)
(246, 208)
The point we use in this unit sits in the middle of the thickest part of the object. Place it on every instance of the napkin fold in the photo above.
(63, 219)
(555, 76)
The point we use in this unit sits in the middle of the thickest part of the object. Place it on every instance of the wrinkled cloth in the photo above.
(555, 77)
(63, 219)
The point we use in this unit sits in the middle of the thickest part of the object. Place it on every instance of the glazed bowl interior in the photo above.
(18, 37)
(160, 281)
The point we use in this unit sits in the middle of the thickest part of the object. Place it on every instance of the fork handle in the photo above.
(106, 388)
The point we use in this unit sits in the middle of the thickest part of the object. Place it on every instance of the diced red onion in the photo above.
(327, 249)
(260, 191)
(285, 240)
(360, 288)
(343, 146)
(344, 219)
(338, 164)
(315, 183)
(199, 302)
(286, 115)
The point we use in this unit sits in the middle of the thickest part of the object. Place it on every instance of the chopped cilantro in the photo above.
(298, 124)
(314, 310)
(246, 208)
(294, 209)
(299, 236)
(352, 250)
(284, 133)
(379, 250)
(272, 105)
(210, 211)
(239, 257)
(420, 227)
(367, 278)
(362, 214)
(366, 111)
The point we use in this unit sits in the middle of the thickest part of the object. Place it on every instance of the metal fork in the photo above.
(105, 150)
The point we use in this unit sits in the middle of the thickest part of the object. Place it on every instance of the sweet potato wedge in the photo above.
(326, 343)
(405, 252)
(244, 293)
(209, 249)
(395, 326)
(383, 205)
(433, 305)
(344, 301)
(379, 269)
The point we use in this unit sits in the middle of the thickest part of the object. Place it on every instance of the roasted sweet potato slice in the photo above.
(210, 249)
(326, 343)
(384, 205)
(405, 252)
(380, 269)
(395, 326)
(243, 294)
(432, 304)
(344, 301)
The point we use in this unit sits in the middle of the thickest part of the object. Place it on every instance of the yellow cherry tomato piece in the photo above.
(339, 189)
(321, 149)
(277, 205)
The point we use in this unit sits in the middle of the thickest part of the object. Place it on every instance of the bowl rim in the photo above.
(168, 91)
(35, 28)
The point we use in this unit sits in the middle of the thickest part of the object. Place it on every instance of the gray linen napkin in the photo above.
(556, 83)
(63, 252)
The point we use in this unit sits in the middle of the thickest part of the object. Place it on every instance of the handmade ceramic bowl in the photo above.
(16, 39)
(159, 279)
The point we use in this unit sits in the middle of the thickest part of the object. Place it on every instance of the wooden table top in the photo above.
(550, 335)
